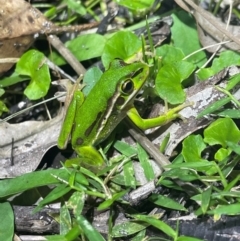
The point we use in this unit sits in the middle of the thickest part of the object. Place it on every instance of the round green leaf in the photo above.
(168, 84)
(169, 54)
(123, 45)
(33, 65)
(84, 47)
(221, 131)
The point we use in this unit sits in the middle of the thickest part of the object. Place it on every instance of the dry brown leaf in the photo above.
(20, 24)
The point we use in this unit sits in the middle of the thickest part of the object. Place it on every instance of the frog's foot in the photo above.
(90, 156)
(172, 114)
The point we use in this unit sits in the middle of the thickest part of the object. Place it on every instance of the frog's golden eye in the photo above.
(127, 87)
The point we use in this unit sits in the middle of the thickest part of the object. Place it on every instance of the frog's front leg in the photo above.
(163, 119)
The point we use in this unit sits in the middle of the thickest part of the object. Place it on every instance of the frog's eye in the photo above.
(127, 87)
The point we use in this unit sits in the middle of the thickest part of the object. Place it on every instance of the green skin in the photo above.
(91, 121)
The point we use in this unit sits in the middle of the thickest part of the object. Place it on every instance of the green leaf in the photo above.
(221, 131)
(185, 37)
(118, 47)
(193, 146)
(145, 163)
(125, 148)
(233, 81)
(169, 54)
(221, 154)
(90, 232)
(229, 209)
(128, 228)
(226, 59)
(139, 5)
(231, 113)
(139, 236)
(106, 204)
(169, 78)
(157, 224)
(184, 175)
(129, 176)
(90, 78)
(76, 202)
(65, 220)
(56, 193)
(186, 238)
(84, 47)
(235, 147)
(12, 79)
(30, 180)
(205, 199)
(214, 106)
(7, 223)
(32, 64)
(166, 202)
(3, 107)
(76, 6)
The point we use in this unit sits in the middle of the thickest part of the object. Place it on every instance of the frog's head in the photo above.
(133, 78)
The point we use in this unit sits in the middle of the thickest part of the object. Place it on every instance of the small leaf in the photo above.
(32, 64)
(76, 6)
(129, 176)
(145, 163)
(221, 131)
(225, 59)
(90, 232)
(65, 220)
(76, 202)
(185, 238)
(166, 202)
(193, 146)
(231, 113)
(168, 81)
(169, 54)
(205, 199)
(235, 147)
(83, 47)
(30, 180)
(214, 106)
(12, 79)
(7, 226)
(221, 154)
(157, 224)
(233, 81)
(56, 193)
(128, 228)
(229, 209)
(125, 148)
(106, 204)
(139, 5)
(3, 107)
(139, 236)
(185, 37)
(118, 47)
